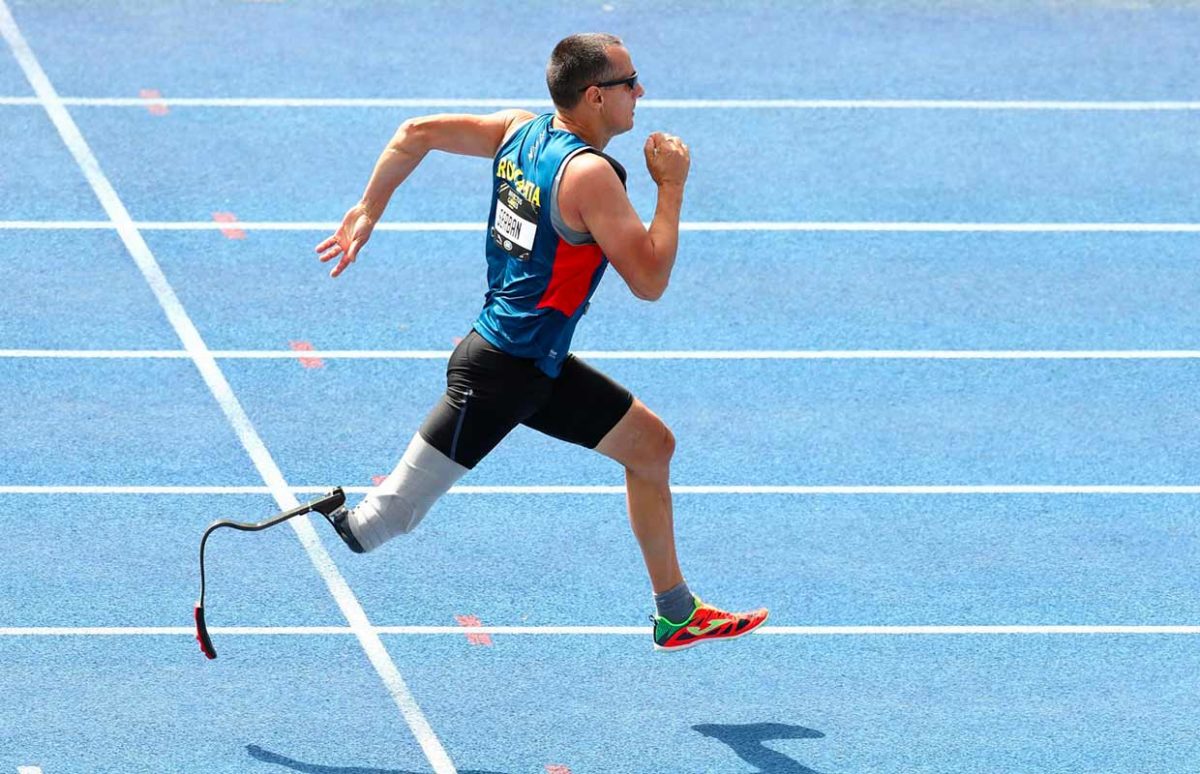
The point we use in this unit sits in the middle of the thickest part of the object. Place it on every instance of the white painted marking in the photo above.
(679, 489)
(654, 104)
(894, 354)
(717, 354)
(167, 631)
(787, 631)
(940, 227)
(86, 489)
(55, 225)
(259, 225)
(28, 770)
(986, 489)
(859, 631)
(758, 225)
(401, 354)
(221, 389)
(97, 354)
(802, 631)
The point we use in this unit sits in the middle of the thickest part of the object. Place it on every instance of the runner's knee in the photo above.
(400, 502)
(654, 449)
(667, 447)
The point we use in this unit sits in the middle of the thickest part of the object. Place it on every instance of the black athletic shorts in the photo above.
(489, 392)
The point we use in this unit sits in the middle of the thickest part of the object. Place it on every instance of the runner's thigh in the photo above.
(488, 393)
(583, 406)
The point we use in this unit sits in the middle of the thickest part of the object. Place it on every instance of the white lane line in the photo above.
(261, 225)
(679, 489)
(100, 489)
(221, 390)
(172, 631)
(787, 631)
(757, 225)
(719, 354)
(939, 227)
(802, 631)
(658, 104)
(99, 354)
(28, 770)
(55, 225)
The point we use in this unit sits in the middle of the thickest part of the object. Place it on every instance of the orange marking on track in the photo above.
(229, 217)
(154, 102)
(307, 362)
(473, 638)
(554, 768)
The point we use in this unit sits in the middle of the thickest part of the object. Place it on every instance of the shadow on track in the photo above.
(747, 741)
(266, 756)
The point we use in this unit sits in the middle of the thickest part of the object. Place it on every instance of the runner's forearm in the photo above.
(401, 156)
(664, 230)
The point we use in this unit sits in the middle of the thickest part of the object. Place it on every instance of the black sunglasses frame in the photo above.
(631, 82)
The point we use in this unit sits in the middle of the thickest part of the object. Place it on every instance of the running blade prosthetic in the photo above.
(324, 505)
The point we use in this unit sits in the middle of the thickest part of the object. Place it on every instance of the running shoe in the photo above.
(705, 623)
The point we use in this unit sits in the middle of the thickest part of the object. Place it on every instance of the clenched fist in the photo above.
(667, 158)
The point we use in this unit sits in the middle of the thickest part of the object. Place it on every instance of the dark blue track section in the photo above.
(115, 422)
(971, 166)
(38, 178)
(756, 422)
(974, 50)
(132, 560)
(85, 293)
(555, 560)
(912, 704)
(735, 290)
(12, 80)
(606, 703)
(147, 705)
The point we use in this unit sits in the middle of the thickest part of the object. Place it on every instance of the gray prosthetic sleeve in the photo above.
(397, 506)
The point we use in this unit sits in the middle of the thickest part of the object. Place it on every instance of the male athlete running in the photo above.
(559, 216)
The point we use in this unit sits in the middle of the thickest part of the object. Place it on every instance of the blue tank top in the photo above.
(539, 283)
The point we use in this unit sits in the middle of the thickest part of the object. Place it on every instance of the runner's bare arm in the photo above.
(465, 134)
(591, 193)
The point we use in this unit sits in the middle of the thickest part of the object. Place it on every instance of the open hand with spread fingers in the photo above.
(350, 237)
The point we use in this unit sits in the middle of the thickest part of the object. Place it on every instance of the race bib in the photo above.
(515, 223)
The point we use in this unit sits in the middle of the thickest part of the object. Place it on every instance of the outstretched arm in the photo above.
(469, 135)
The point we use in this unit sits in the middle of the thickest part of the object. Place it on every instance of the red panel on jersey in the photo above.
(571, 277)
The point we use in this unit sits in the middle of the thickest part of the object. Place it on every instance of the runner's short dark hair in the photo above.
(577, 62)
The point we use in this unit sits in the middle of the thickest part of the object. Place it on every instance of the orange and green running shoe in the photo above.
(705, 623)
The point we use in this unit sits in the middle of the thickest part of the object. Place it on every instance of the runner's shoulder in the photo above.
(514, 119)
(593, 168)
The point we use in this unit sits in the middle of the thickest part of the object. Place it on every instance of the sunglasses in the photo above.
(631, 82)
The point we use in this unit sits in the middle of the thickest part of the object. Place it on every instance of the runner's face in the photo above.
(620, 101)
